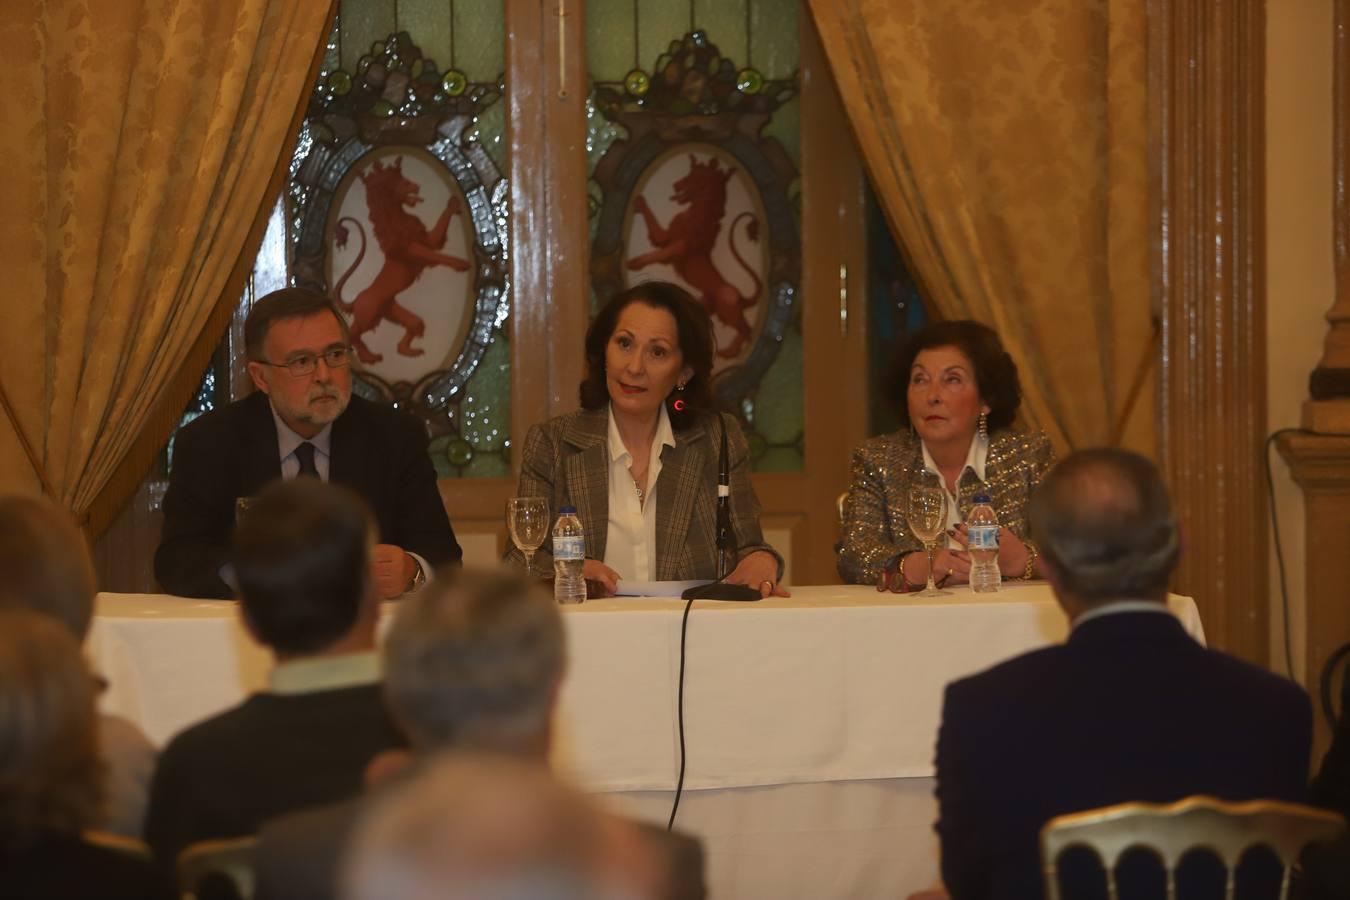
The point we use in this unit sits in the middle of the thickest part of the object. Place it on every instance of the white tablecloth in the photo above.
(832, 696)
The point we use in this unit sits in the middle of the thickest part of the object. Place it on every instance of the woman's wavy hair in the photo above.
(995, 372)
(695, 334)
(51, 775)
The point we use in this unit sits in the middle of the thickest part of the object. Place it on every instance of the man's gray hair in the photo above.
(1103, 519)
(473, 660)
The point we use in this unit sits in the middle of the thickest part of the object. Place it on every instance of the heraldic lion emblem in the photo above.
(686, 244)
(408, 248)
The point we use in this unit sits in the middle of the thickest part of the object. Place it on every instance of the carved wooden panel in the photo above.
(1207, 88)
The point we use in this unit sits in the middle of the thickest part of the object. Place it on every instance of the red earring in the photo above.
(679, 403)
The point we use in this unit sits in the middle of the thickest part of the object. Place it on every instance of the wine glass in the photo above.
(527, 517)
(926, 515)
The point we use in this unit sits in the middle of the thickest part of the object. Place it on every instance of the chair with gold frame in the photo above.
(231, 858)
(118, 843)
(1171, 830)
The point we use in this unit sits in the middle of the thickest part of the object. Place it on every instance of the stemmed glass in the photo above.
(926, 515)
(527, 517)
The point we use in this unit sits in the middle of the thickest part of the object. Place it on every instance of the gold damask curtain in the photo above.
(142, 144)
(1007, 140)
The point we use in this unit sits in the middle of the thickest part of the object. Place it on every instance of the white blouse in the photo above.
(630, 542)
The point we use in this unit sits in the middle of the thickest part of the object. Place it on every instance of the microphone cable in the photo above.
(679, 783)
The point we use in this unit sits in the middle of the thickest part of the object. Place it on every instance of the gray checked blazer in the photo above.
(567, 460)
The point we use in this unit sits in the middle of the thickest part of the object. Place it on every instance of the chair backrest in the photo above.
(230, 859)
(1334, 687)
(118, 843)
(1170, 830)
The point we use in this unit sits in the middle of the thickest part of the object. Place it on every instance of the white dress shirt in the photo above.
(288, 440)
(630, 541)
(976, 457)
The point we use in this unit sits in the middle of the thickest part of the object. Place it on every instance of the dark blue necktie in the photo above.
(305, 455)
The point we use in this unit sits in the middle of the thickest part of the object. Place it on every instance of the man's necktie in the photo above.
(305, 455)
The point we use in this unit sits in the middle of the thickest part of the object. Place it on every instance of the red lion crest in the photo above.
(408, 249)
(687, 243)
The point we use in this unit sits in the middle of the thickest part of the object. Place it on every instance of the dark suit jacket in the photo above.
(567, 460)
(298, 855)
(1130, 708)
(58, 867)
(231, 452)
(272, 754)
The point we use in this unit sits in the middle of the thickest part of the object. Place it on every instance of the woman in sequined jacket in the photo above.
(960, 394)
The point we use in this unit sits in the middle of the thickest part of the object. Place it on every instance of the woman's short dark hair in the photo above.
(696, 346)
(995, 372)
(302, 558)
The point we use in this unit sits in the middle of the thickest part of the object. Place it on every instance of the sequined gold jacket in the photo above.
(874, 527)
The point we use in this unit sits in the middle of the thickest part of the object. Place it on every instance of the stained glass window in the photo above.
(693, 149)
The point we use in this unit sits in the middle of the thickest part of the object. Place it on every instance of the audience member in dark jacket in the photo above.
(472, 663)
(1129, 708)
(302, 561)
(51, 776)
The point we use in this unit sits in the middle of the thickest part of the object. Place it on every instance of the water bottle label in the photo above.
(982, 537)
(570, 547)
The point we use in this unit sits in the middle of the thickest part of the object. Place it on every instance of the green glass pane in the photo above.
(778, 400)
(480, 35)
(786, 128)
(362, 23)
(428, 24)
(487, 465)
(774, 38)
(610, 50)
(491, 127)
(485, 411)
(780, 459)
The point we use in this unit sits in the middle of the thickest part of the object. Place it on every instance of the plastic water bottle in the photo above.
(569, 555)
(982, 542)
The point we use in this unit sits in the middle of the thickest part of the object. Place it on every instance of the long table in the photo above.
(809, 721)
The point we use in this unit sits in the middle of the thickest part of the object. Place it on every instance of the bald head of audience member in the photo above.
(301, 558)
(478, 827)
(44, 563)
(51, 776)
(474, 661)
(1104, 525)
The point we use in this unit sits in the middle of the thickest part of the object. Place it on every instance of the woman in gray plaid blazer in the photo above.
(646, 408)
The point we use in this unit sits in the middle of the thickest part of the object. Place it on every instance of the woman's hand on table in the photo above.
(759, 570)
(949, 567)
(1012, 552)
(601, 580)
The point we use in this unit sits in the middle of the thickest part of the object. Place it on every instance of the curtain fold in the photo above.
(144, 142)
(1007, 143)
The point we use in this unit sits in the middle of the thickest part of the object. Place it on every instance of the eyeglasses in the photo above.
(305, 363)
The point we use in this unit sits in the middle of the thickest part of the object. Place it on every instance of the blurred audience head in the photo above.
(44, 563)
(476, 827)
(994, 370)
(301, 558)
(1104, 524)
(51, 776)
(474, 660)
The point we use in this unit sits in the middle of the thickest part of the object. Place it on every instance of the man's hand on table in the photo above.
(392, 569)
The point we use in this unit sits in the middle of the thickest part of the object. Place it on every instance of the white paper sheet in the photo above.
(655, 588)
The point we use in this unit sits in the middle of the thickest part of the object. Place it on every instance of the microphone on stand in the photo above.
(725, 540)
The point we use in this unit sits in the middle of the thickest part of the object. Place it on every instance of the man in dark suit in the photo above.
(473, 663)
(303, 420)
(1129, 708)
(302, 561)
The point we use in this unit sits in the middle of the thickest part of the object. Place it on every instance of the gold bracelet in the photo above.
(1030, 571)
